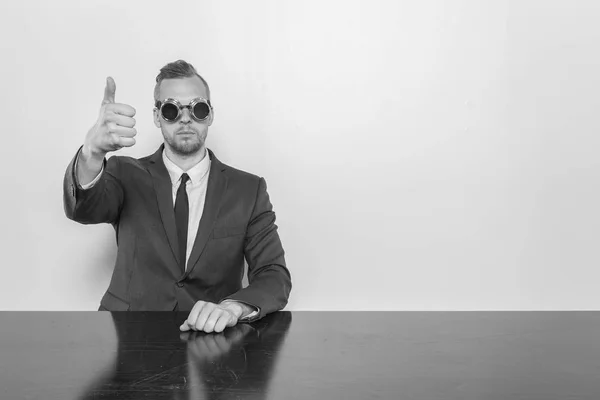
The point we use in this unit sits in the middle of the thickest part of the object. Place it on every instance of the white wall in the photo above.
(419, 154)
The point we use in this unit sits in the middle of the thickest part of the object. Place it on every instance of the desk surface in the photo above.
(302, 355)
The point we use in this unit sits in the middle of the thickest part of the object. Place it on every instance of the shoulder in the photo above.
(233, 173)
(240, 175)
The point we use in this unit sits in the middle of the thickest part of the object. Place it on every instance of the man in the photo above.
(184, 221)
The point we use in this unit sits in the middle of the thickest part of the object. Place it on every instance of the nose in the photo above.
(186, 117)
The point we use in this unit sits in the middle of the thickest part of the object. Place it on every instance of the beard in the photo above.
(185, 144)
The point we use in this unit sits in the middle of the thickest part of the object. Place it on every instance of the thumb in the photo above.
(109, 91)
(233, 320)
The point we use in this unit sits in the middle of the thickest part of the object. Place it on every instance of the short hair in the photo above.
(177, 69)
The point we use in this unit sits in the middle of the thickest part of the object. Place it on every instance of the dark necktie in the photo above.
(182, 210)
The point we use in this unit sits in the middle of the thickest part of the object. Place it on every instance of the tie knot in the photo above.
(184, 178)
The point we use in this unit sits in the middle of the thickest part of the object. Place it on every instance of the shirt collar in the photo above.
(196, 173)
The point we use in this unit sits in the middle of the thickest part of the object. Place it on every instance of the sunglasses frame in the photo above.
(160, 104)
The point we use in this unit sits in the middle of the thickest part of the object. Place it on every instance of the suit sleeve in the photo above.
(100, 203)
(269, 280)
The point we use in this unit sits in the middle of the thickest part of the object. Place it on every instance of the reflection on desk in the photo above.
(150, 364)
(318, 355)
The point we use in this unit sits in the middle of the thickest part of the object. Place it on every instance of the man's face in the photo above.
(185, 136)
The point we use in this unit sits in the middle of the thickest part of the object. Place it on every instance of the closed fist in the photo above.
(210, 317)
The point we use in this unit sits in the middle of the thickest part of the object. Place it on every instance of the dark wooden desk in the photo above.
(303, 355)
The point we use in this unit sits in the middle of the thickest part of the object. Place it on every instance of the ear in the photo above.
(156, 117)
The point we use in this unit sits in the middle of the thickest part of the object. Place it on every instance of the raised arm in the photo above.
(92, 192)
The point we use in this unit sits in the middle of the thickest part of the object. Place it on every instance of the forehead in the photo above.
(182, 89)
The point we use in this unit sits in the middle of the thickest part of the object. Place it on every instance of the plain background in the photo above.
(420, 155)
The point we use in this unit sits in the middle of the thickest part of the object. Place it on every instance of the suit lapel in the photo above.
(217, 185)
(164, 196)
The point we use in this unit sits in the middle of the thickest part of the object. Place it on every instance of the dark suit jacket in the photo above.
(134, 195)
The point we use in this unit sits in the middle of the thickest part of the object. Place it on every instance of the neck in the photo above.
(185, 162)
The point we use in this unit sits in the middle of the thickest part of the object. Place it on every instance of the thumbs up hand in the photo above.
(114, 128)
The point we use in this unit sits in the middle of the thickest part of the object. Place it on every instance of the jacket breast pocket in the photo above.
(228, 231)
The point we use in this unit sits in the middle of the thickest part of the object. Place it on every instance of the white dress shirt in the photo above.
(196, 191)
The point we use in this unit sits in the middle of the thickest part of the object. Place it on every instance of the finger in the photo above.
(194, 348)
(120, 108)
(109, 91)
(223, 343)
(193, 316)
(123, 132)
(232, 322)
(222, 323)
(112, 127)
(125, 141)
(185, 336)
(210, 345)
(204, 315)
(209, 326)
(119, 119)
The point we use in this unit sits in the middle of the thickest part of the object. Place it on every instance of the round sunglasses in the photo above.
(171, 109)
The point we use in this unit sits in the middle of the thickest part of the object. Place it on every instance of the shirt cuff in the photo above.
(249, 316)
(92, 183)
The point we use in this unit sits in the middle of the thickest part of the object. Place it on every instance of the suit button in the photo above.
(180, 284)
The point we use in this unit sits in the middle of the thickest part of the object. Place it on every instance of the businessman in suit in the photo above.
(184, 221)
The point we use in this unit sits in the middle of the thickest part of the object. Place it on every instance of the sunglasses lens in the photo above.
(201, 110)
(170, 111)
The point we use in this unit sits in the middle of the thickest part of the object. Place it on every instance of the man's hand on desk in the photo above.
(210, 317)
